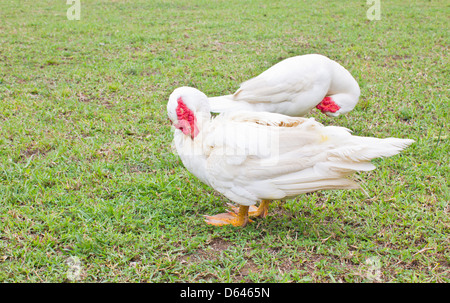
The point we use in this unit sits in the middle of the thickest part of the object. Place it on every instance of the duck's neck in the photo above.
(343, 82)
(344, 90)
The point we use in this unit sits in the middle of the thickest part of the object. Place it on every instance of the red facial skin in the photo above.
(187, 122)
(328, 105)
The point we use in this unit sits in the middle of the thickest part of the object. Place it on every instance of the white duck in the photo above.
(252, 157)
(293, 87)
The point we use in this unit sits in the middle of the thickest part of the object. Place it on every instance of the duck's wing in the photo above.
(276, 156)
(306, 76)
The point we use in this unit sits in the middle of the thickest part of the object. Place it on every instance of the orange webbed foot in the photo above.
(236, 219)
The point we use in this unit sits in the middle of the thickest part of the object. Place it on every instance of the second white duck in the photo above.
(293, 87)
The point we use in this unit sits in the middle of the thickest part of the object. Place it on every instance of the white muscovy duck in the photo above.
(293, 87)
(252, 157)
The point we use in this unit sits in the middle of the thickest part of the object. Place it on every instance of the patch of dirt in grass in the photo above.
(32, 151)
(216, 246)
(249, 267)
(212, 253)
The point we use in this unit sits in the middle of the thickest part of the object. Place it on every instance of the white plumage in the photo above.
(293, 87)
(251, 157)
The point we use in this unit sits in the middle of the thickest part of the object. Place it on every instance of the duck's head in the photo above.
(186, 107)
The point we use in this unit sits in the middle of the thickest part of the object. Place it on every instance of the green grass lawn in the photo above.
(87, 172)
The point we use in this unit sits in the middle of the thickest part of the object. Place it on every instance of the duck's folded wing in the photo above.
(281, 81)
(250, 161)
